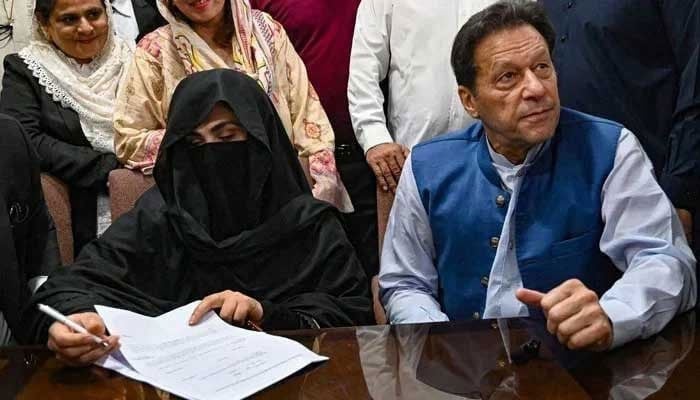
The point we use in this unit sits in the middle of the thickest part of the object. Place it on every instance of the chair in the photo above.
(57, 196)
(384, 203)
(125, 188)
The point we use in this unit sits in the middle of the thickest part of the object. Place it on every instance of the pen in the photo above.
(253, 326)
(67, 322)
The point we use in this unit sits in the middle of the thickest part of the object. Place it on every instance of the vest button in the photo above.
(500, 200)
(476, 315)
(494, 242)
(485, 281)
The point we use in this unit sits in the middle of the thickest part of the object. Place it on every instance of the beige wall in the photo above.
(22, 15)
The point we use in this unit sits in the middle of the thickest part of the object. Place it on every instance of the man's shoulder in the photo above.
(571, 118)
(472, 134)
(580, 132)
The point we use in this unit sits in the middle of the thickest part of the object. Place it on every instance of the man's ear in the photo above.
(468, 101)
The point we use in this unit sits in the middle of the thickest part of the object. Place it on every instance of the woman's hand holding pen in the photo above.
(79, 349)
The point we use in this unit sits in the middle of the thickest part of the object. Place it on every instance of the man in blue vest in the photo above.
(534, 210)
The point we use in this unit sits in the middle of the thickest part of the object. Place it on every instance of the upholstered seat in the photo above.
(384, 203)
(125, 188)
(57, 196)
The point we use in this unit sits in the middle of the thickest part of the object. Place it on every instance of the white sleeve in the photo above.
(369, 65)
(408, 279)
(644, 238)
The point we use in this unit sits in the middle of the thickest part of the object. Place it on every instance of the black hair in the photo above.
(495, 18)
(44, 8)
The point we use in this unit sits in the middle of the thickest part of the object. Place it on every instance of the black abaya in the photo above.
(293, 255)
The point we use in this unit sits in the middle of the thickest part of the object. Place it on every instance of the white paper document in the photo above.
(211, 360)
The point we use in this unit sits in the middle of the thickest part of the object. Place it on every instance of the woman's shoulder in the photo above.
(15, 64)
(272, 31)
(147, 215)
(155, 42)
(17, 74)
(269, 25)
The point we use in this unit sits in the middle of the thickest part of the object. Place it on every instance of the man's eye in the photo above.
(507, 77)
(543, 70)
(68, 19)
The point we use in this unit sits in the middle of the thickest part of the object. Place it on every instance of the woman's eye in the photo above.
(95, 14)
(194, 141)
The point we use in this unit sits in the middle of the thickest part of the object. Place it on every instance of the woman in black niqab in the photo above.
(227, 216)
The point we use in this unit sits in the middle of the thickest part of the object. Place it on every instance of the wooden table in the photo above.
(427, 361)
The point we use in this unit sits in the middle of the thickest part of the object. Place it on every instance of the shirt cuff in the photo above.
(373, 135)
(413, 308)
(684, 193)
(625, 327)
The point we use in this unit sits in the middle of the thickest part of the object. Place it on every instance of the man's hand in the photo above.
(687, 221)
(573, 314)
(236, 308)
(79, 349)
(386, 160)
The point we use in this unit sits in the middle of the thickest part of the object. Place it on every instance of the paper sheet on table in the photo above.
(211, 360)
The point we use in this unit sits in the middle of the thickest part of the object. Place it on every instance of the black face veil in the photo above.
(217, 191)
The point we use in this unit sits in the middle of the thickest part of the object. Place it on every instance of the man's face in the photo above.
(516, 94)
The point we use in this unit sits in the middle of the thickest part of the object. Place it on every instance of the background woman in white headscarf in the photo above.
(62, 89)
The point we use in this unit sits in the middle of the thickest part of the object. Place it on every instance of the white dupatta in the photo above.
(88, 89)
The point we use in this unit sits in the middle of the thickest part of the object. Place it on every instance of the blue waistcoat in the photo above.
(557, 218)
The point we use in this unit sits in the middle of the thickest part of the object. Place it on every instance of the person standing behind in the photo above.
(638, 63)
(133, 19)
(321, 32)
(407, 42)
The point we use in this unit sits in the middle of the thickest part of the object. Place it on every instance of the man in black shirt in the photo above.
(637, 62)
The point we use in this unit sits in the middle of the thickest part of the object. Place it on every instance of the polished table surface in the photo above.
(425, 361)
